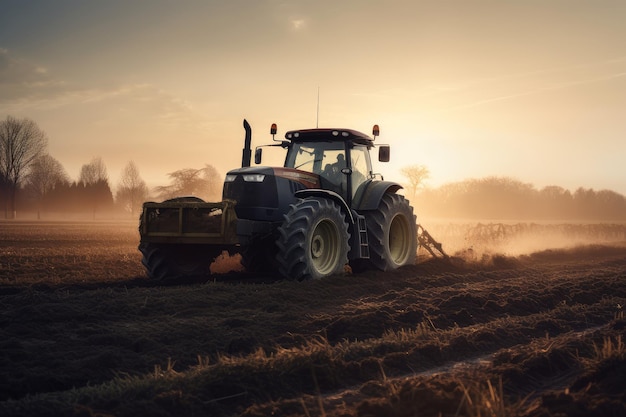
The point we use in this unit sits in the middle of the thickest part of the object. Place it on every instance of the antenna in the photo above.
(317, 120)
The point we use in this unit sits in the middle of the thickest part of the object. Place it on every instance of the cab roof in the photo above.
(328, 134)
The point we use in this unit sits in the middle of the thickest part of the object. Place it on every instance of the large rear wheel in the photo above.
(313, 240)
(392, 233)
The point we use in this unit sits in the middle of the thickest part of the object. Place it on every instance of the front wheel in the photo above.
(313, 240)
(392, 233)
(167, 263)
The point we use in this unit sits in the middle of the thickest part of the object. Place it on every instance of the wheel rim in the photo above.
(399, 240)
(325, 247)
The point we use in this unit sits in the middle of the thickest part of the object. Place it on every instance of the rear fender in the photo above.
(370, 193)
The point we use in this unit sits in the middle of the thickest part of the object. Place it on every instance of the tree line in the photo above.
(504, 198)
(31, 180)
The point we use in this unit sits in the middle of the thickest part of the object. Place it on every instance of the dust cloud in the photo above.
(480, 241)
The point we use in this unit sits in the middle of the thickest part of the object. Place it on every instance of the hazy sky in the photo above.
(534, 90)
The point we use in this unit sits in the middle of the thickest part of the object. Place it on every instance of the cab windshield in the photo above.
(316, 157)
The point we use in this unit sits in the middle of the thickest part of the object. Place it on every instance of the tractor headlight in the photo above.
(230, 178)
(253, 177)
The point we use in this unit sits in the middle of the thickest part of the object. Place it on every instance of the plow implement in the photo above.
(430, 244)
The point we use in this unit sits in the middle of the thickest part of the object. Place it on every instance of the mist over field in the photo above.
(490, 198)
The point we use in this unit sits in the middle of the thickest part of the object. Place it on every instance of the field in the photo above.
(525, 321)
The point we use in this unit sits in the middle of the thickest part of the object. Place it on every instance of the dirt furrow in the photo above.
(105, 340)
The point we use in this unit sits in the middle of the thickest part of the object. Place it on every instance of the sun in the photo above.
(297, 24)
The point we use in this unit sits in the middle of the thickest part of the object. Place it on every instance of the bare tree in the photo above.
(132, 190)
(44, 175)
(416, 174)
(93, 172)
(190, 181)
(213, 181)
(21, 141)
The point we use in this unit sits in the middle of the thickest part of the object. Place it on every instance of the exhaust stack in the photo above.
(247, 147)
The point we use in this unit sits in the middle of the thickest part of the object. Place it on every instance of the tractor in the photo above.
(325, 208)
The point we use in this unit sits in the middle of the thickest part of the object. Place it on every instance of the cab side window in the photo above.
(359, 161)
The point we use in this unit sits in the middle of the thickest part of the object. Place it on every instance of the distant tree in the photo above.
(95, 180)
(554, 202)
(62, 198)
(604, 204)
(45, 174)
(185, 181)
(610, 205)
(21, 142)
(502, 198)
(213, 182)
(201, 183)
(93, 172)
(417, 175)
(499, 198)
(486, 198)
(132, 190)
(583, 202)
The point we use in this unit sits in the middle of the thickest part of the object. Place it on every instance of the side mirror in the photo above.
(258, 153)
(384, 152)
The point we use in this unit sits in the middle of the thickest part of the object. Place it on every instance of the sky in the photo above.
(534, 90)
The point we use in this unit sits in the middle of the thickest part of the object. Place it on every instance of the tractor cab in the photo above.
(340, 157)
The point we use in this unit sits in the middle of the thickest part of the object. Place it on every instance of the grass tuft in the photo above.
(487, 400)
(610, 349)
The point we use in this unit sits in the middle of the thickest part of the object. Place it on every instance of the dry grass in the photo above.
(611, 348)
(487, 400)
(82, 331)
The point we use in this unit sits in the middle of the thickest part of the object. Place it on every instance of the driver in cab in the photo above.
(333, 171)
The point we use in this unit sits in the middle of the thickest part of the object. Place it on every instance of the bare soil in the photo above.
(83, 332)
